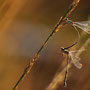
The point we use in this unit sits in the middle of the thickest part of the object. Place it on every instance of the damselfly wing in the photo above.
(84, 25)
(75, 59)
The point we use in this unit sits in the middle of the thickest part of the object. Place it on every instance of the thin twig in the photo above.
(29, 67)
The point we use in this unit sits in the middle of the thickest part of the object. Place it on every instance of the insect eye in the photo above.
(66, 18)
(62, 48)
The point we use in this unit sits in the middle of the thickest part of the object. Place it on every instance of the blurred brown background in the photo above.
(24, 25)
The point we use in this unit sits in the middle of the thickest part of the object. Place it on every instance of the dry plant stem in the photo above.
(58, 25)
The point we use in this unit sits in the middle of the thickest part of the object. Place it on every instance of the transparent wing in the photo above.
(84, 25)
(75, 60)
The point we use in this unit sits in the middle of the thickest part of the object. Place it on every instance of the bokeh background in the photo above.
(24, 26)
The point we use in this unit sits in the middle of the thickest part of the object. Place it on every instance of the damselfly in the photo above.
(84, 25)
(75, 60)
